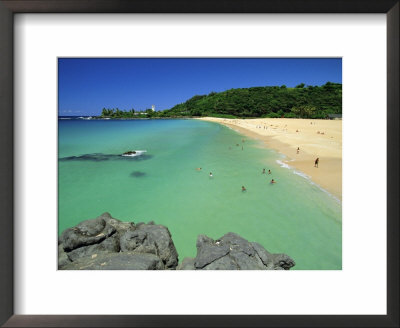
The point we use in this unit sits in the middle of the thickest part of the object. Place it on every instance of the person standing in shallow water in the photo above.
(263, 172)
(211, 175)
(243, 188)
(316, 162)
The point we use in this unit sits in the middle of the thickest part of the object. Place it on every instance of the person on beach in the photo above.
(298, 150)
(211, 175)
(273, 181)
(269, 171)
(263, 172)
(243, 188)
(316, 162)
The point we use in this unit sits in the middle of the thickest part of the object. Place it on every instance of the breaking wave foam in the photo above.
(307, 177)
(282, 164)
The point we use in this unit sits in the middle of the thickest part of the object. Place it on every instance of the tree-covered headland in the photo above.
(131, 113)
(271, 101)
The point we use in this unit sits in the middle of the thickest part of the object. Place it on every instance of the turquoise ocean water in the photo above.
(293, 216)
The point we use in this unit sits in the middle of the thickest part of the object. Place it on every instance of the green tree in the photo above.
(305, 111)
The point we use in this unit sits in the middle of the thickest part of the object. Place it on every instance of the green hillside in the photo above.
(272, 101)
(301, 101)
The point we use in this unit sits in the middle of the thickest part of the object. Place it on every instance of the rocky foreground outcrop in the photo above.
(232, 252)
(109, 244)
(105, 243)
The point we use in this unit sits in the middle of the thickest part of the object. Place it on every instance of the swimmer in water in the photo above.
(269, 171)
(273, 181)
(263, 172)
(211, 175)
(198, 168)
(243, 188)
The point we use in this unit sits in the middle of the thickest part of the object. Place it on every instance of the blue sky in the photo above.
(86, 85)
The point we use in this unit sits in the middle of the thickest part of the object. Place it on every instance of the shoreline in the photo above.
(285, 135)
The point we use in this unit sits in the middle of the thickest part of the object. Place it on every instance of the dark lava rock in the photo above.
(283, 262)
(120, 226)
(108, 245)
(132, 240)
(223, 263)
(232, 252)
(151, 239)
(208, 251)
(273, 261)
(99, 235)
(86, 233)
(63, 259)
(106, 236)
(117, 261)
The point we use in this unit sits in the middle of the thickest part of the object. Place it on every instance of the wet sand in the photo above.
(315, 138)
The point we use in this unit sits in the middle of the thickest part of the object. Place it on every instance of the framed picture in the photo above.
(46, 66)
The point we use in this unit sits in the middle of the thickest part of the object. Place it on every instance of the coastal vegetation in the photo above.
(271, 101)
(131, 113)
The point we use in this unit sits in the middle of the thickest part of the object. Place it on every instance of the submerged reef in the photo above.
(100, 157)
(137, 174)
(105, 243)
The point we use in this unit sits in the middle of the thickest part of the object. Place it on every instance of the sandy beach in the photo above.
(315, 138)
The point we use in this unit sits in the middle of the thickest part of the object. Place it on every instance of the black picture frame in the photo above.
(10, 7)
